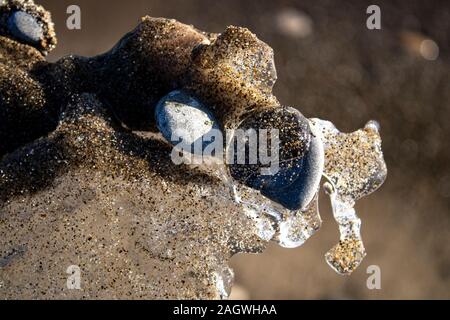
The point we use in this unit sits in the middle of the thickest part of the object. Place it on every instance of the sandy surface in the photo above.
(345, 73)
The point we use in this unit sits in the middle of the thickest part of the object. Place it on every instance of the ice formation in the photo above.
(86, 178)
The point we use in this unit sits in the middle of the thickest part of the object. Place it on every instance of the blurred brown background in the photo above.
(331, 66)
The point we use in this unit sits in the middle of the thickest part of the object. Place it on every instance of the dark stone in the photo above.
(294, 157)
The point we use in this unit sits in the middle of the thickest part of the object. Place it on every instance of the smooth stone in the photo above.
(301, 160)
(299, 194)
(182, 118)
(25, 27)
(294, 139)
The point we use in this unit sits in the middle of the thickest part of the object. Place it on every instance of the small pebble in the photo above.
(25, 27)
(181, 117)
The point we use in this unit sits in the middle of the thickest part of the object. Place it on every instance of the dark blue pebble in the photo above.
(297, 195)
(297, 181)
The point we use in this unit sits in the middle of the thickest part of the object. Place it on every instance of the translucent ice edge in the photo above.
(348, 254)
(354, 168)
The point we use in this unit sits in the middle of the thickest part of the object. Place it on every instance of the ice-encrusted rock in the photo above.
(79, 186)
